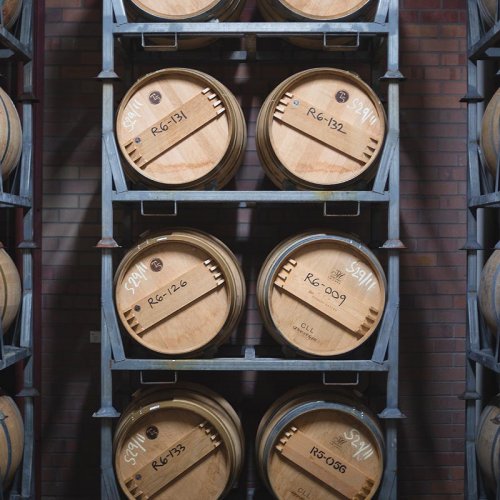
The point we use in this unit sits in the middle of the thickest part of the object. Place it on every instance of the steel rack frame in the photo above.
(116, 190)
(482, 350)
(20, 49)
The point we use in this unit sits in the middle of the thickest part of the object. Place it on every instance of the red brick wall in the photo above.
(433, 228)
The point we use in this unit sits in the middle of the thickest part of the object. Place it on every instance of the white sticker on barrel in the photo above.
(363, 450)
(366, 114)
(135, 277)
(131, 114)
(364, 277)
(134, 446)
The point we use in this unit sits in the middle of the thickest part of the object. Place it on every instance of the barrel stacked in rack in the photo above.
(11, 9)
(183, 442)
(490, 133)
(488, 443)
(322, 294)
(10, 135)
(184, 11)
(180, 129)
(10, 290)
(180, 292)
(312, 11)
(315, 443)
(320, 129)
(11, 439)
(489, 292)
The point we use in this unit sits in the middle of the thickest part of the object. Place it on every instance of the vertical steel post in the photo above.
(107, 243)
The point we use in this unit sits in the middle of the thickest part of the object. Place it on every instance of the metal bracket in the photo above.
(326, 46)
(158, 382)
(355, 213)
(160, 47)
(348, 383)
(172, 213)
(393, 75)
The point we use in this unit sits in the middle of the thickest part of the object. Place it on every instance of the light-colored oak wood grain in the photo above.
(11, 10)
(10, 135)
(489, 292)
(11, 440)
(329, 302)
(488, 443)
(330, 430)
(206, 155)
(200, 424)
(320, 129)
(490, 133)
(190, 318)
(10, 290)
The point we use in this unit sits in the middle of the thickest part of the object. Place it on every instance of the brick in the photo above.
(439, 16)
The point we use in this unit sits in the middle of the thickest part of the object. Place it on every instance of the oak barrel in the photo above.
(488, 11)
(488, 442)
(314, 11)
(11, 439)
(182, 441)
(320, 129)
(489, 291)
(490, 133)
(11, 10)
(184, 11)
(321, 293)
(321, 444)
(180, 128)
(180, 292)
(10, 290)
(10, 135)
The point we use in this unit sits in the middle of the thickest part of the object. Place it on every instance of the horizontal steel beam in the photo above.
(243, 364)
(485, 359)
(14, 200)
(484, 200)
(239, 29)
(12, 355)
(251, 196)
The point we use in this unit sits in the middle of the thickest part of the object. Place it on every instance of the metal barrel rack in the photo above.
(483, 349)
(116, 191)
(17, 51)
